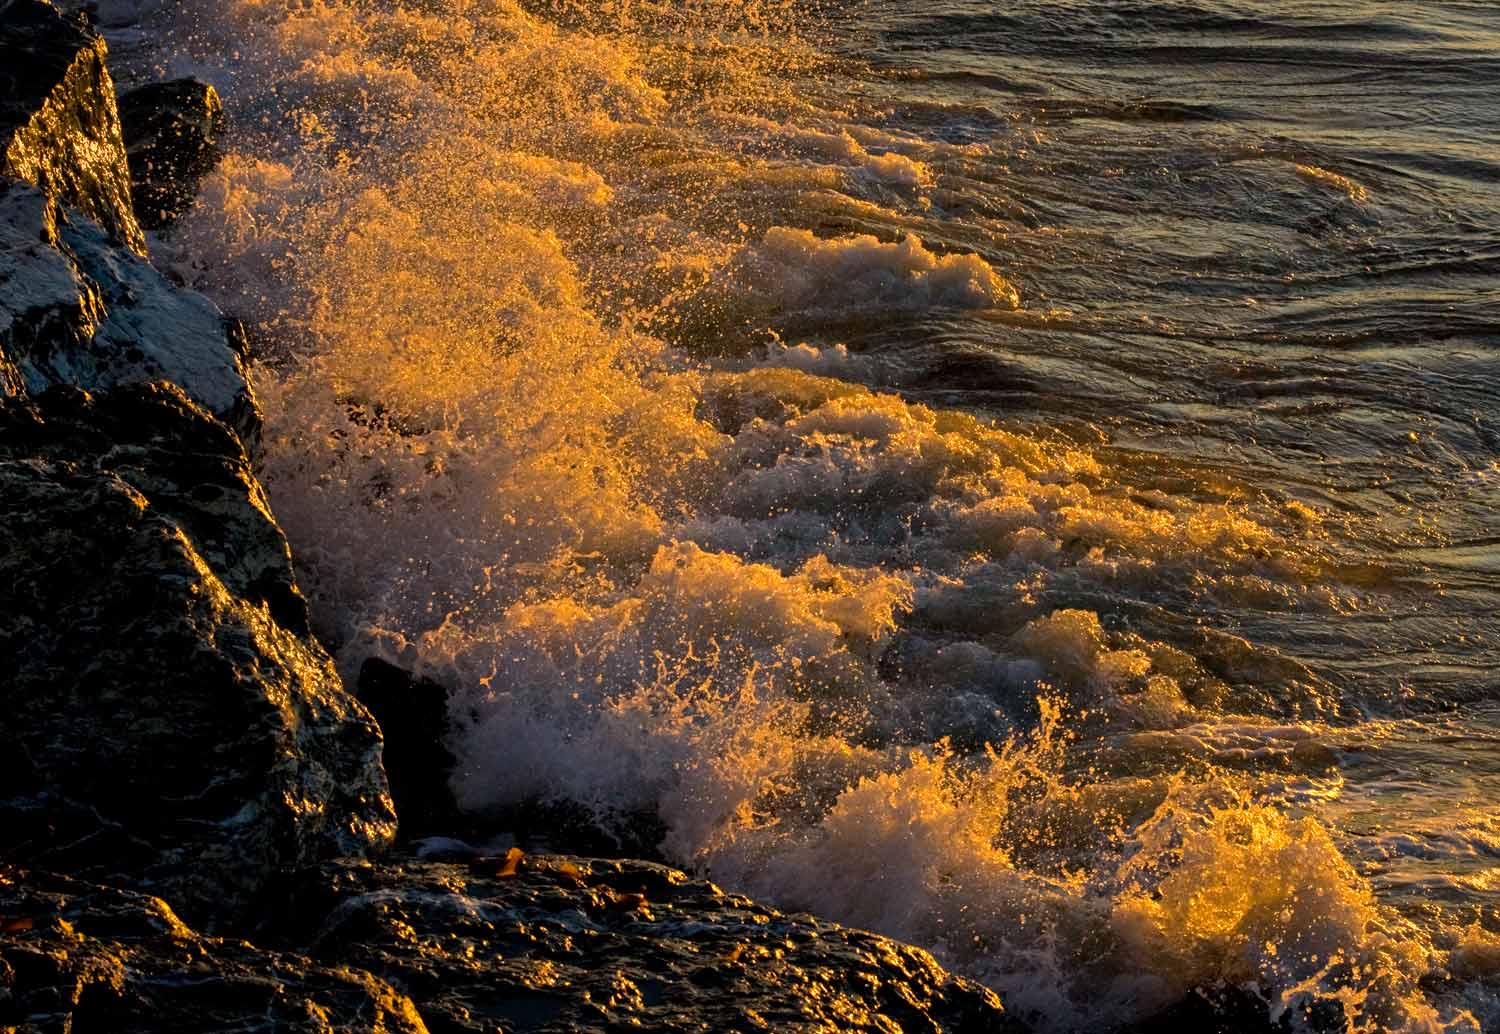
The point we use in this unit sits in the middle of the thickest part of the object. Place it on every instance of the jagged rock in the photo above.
(413, 715)
(167, 719)
(59, 126)
(568, 944)
(78, 309)
(80, 957)
(172, 136)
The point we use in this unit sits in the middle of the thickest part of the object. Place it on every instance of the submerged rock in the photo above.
(172, 136)
(77, 309)
(59, 125)
(168, 720)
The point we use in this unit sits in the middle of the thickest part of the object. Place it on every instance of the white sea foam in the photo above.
(804, 623)
(833, 361)
(793, 270)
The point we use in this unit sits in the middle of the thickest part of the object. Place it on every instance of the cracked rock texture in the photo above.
(76, 308)
(59, 124)
(169, 722)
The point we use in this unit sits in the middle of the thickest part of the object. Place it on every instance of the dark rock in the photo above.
(1228, 1010)
(78, 309)
(167, 720)
(413, 715)
(81, 957)
(108, 14)
(172, 134)
(558, 944)
(59, 125)
(566, 827)
(568, 944)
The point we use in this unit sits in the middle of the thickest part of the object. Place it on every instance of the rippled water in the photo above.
(1019, 476)
(1271, 232)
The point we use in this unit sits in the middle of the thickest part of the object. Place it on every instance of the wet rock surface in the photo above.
(76, 308)
(171, 134)
(76, 956)
(570, 944)
(515, 945)
(168, 720)
(59, 124)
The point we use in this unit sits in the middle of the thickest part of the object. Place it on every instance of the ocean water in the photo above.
(1020, 477)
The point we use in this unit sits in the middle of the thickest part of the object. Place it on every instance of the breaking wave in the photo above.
(549, 305)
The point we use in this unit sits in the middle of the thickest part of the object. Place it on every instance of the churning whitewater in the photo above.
(608, 359)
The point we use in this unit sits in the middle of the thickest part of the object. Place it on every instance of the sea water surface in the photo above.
(1021, 477)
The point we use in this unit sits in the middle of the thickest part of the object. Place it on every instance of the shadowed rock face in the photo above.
(413, 714)
(76, 308)
(172, 136)
(59, 126)
(168, 721)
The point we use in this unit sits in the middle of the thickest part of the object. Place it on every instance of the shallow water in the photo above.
(1017, 477)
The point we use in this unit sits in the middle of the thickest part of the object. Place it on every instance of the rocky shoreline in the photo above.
(200, 829)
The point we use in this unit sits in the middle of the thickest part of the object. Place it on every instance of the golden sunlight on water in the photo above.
(532, 284)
